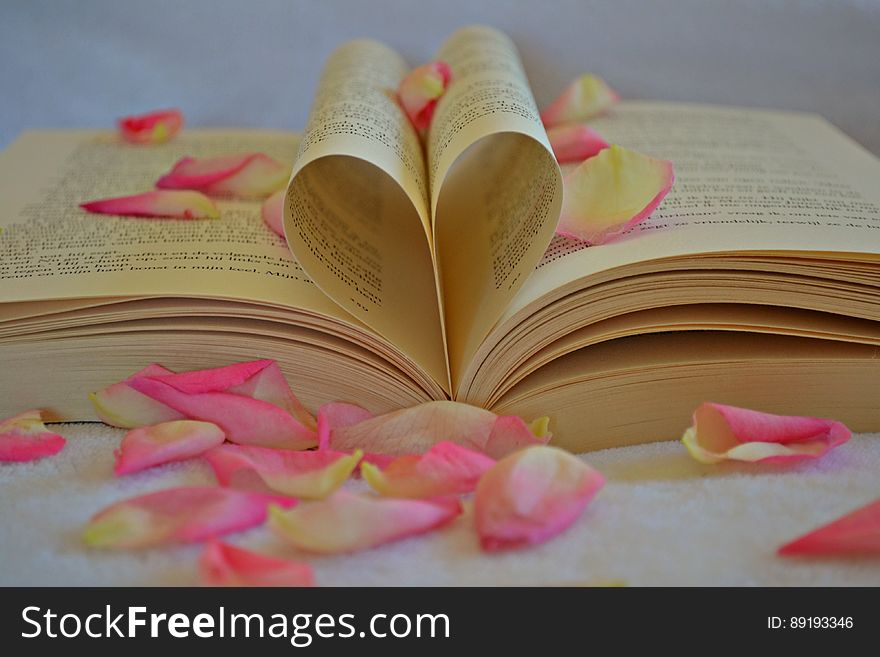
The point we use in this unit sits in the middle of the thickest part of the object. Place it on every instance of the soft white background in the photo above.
(256, 62)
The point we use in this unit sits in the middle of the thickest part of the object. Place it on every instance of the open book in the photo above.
(423, 274)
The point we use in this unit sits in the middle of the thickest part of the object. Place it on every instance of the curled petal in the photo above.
(309, 474)
(585, 98)
(258, 379)
(153, 128)
(272, 212)
(222, 564)
(178, 515)
(611, 192)
(120, 405)
(445, 469)
(420, 90)
(24, 437)
(722, 433)
(244, 420)
(532, 495)
(345, 522)
(335, 416)
(241, 174)
(153, 445)
(415, 430)
(855, 534)
(575, 142)
(170, 204)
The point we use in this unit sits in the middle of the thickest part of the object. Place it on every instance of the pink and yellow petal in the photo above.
(585, 98)
(240, 174)
(272, 212)
(335, 416)
(445, 469)
(575, 142)
(222, 564)
(611, 192)
(855, 534)
(416, 429)
(179, 515)
(346, 522)
(119, 405)
(306, 474)
(152, 128)
(24, 437)
(244, 420)
(420, 90)
(721, 433)
(162, 204)
(531, 496)
(167, 442)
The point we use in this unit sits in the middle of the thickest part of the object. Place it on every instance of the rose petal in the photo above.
(241, 174)
(178, 515)
(119, 405)
(258, 379)
(337, 415)
(251, 402)
(153, 128)
(723, 433)
(611, 192)
(415, 430)
(586, 97)
(273, 212)
(153, 445)
(222, 564)
(420, 90)
(310, 474)
(575, 142)
(445, 469)
(345, 522)
(158, 205)
(855, 534)
(532, 495)
(24, 437)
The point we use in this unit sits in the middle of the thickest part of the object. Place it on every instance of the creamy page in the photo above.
(51, 249)
(746, 180)
(356, 214)
(495, 186)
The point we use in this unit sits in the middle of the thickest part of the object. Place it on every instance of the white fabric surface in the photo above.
(662, 519)
(256, 62)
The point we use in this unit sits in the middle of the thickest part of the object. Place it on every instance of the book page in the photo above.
(746, 180)
(50, 249)
(496, 189)
(356, 214)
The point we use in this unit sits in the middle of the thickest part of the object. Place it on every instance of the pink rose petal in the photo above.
(153, 128)
(309, 474)
(272, 212)
(119, 405)
(24, 437)
(445, 469)
(162, 204)
(156, 444)
(611, 192)
(575, 142)
(240, 174)
(722, 433)
(585, 98)
(345, 522)
(251, 402)
(415, 430)
(532, 495)
(222, 564)
(336, 416)
(855, 534)
(178, 515)
(420, 90)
